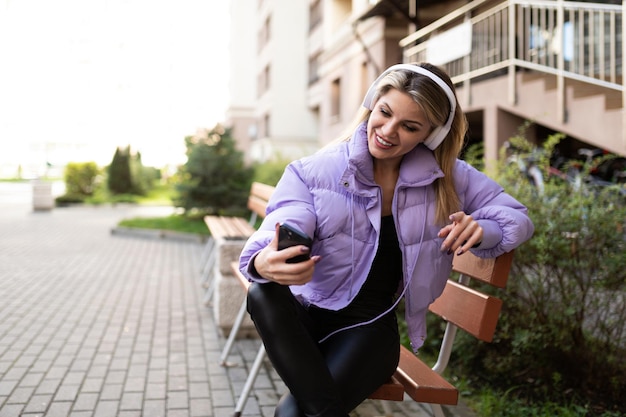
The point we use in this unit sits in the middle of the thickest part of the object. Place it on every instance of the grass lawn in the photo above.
(175, 222)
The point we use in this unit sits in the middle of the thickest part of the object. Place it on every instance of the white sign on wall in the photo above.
(450, 45)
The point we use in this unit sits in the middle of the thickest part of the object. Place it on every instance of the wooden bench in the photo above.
(459, 306)
(227, 228)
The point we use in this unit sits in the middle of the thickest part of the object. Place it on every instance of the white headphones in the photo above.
(440, 132)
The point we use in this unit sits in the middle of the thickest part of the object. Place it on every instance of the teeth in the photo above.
(383, 142)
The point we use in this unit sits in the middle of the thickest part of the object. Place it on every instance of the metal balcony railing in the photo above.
(581, 41)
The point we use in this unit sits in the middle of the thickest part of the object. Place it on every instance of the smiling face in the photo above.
(396, 126)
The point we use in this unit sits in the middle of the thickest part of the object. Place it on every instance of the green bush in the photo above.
(270, 172)
(562, 333)
(214, 179)
(81, 179)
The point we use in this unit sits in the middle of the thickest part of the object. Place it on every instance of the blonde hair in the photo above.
(436, 106)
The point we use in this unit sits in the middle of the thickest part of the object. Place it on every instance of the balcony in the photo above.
(555, 62)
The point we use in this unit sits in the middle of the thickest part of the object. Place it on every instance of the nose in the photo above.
(389, 128)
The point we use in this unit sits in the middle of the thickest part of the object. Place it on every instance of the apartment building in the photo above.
(268, 111)
(555, 63)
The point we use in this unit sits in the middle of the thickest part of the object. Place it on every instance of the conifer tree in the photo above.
(214, 179)
(119, 180)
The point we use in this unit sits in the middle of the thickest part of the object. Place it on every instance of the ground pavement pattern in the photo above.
(95, 324)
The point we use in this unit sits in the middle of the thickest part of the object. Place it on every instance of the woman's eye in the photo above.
(410, 128)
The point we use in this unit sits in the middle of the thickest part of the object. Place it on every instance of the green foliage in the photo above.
(561, 335)
(175, 222)
(81, 178)
(128, 175)
(214, 179)
(270, 172)
(119, 180)
(498, 404)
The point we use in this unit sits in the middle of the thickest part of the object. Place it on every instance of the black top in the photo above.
(378, 292)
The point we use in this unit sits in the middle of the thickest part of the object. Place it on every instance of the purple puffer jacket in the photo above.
(332, 197)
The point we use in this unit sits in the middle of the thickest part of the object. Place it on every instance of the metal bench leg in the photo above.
(206, 252)
(207, 272)
(254, 371)
(437, 410)
(233, 333)
(208, 294)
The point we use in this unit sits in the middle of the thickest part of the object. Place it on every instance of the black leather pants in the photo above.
(326, 379)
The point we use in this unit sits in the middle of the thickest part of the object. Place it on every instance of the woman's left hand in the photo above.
(463, 233)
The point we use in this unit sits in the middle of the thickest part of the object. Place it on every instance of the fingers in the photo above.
(463, 233)
(270, 263)
(293, 274)
(276, 268)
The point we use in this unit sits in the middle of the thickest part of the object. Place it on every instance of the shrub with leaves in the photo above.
(81, 181)
(214, 179)
(562, 333)
(81, 178)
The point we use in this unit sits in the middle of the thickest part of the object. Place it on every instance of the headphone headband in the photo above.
(440, 132)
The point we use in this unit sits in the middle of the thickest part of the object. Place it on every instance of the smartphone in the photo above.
(289, 236)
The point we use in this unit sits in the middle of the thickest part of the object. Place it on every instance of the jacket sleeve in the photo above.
(291, 203)
(504, 220)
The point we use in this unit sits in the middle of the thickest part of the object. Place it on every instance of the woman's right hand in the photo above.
(270, 263)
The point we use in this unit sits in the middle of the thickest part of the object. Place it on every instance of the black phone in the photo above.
(289, 236)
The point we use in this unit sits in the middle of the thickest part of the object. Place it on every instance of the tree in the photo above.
(119, 180)
(214, 179)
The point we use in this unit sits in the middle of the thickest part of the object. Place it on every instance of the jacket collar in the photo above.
(418, 168)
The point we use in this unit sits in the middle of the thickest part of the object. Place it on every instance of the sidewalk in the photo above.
(95, 324)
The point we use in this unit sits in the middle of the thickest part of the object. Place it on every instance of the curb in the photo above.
(158, 234)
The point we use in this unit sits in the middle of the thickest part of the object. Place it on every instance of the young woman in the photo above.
(386, 208)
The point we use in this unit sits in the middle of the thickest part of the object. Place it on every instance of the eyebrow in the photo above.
(406, 121)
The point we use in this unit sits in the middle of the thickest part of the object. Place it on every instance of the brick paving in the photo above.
(95, 324)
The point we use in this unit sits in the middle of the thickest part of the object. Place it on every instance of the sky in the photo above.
(80, 77)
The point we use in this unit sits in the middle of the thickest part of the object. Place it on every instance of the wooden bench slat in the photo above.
(259, 195)
(222, 227)
(493, 271)
(257, 205)
(472, 311)
(390, 391)
(422, 383)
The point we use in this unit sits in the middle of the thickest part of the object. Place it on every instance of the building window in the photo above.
(263, 82)
(266, 126)
(314, 69)
(335, 94)
(365, 79)
(315, 14)
(265, 33)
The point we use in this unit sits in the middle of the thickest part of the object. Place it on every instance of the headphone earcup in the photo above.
(436, 137)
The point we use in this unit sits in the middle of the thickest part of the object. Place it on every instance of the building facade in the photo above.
(556, 64)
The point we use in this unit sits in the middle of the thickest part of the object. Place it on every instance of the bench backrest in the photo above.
(467, 308)
(257, 200)
(473, 311)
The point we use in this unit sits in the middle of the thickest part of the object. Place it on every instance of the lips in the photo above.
(383, 142)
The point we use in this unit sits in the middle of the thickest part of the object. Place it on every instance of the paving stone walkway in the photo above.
(94, 324)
